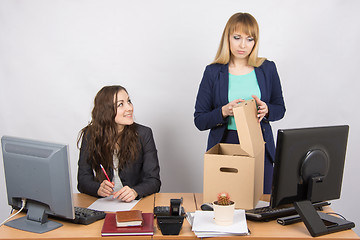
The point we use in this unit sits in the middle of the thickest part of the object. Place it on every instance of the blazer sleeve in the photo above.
(276, 103)
(86, 178)
(150, 174)
(208, 112)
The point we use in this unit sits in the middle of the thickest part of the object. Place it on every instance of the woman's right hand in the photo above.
(227, 110)
(105, 189)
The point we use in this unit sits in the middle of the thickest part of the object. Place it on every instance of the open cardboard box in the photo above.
(237, 169)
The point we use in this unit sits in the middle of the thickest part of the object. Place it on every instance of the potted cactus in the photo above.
(224, 209)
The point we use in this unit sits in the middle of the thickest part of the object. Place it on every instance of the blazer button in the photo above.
(219, 124)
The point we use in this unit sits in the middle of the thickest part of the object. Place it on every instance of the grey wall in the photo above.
(55, 56)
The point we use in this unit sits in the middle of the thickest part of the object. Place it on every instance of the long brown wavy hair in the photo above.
(102, 135)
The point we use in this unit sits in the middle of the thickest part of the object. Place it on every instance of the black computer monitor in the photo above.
(38, 172)
(309, 165)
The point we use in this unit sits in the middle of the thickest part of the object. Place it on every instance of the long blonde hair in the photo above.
(239, 22)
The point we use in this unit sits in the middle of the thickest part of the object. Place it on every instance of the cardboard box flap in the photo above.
(248, 127)
(227, 149)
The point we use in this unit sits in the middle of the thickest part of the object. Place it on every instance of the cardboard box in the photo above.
(237, 169)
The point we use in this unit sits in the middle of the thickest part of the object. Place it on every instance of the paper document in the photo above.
(215, 234)
(261, 204)
(190, 217)
(109, 204)
(205, 226)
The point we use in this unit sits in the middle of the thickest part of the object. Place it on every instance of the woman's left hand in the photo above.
(263, 109)
(126, 194)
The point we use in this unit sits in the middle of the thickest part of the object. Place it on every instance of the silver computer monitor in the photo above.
(40, 173)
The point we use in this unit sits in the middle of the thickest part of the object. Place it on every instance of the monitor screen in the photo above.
(38, 172)
(309, 164)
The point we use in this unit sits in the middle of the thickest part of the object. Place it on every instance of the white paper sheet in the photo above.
(261, 204)
(204, 222)
(109, 204)
(214, 234)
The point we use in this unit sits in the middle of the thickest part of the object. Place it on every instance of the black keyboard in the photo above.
(268, 213)
(86, 216)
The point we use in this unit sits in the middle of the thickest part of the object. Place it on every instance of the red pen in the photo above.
(105, 173)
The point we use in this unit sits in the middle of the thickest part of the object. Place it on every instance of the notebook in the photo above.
(110, 229)
(129, 218)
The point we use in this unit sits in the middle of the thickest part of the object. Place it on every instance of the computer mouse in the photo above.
(207, 207)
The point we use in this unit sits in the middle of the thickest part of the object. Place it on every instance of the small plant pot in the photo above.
(224, 214)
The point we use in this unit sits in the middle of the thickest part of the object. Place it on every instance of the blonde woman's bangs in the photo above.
(246, 28)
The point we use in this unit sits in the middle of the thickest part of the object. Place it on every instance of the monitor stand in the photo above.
(35, 221)
(319, 223)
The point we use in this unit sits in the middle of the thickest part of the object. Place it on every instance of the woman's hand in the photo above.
(227, 110)
(105, 189)
(263, 109)
(126, 194)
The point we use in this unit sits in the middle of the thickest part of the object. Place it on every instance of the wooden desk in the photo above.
(259, 231)
(75, 231)
(274, 231)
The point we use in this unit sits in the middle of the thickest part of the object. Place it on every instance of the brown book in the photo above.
(109, 228)
(129, 218)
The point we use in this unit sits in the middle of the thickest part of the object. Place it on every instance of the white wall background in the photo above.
(56, 55)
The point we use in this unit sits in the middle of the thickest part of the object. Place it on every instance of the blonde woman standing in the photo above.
(238, 74)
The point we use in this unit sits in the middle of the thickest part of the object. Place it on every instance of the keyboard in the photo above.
(86, 216)
(268, 213)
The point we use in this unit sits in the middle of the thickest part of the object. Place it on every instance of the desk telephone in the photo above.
(170, 219)
(175, 209)
(164, 211)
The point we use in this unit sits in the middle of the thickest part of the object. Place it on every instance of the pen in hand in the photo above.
(105, 172)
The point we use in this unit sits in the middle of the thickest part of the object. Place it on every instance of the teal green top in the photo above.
(242, 86)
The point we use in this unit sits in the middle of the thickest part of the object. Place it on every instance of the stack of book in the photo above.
(128, 223)
(203, 224)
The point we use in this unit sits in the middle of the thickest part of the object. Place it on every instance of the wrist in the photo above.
(135, 193)
(224, 115)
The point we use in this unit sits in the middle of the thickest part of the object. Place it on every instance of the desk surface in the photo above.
(272, 230)
(191, 202)
(75, 231)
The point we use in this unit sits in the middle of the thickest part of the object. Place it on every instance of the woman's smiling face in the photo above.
(124, 110)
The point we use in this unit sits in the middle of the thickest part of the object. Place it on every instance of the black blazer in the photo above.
(141, 175)
(213, 94)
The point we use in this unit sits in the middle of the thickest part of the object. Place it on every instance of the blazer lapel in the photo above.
(224, 84)
(261, 81)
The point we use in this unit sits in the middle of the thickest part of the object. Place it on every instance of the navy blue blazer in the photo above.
(213, 95)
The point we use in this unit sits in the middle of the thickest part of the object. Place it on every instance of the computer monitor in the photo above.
(309, 165)
(40, 173)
